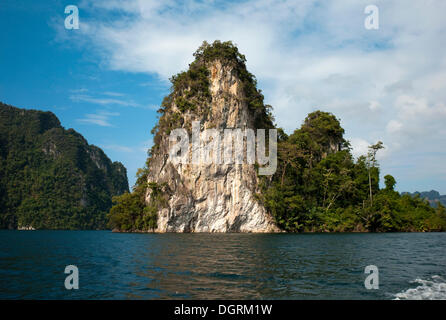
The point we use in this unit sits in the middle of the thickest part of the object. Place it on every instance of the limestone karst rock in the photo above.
(218, 91)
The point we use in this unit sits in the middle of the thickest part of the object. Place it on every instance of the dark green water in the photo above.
(221, 266)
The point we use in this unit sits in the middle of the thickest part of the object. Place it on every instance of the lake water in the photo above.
(221, 266)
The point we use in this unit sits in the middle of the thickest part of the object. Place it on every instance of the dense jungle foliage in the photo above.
(320, 187)
(51, 178)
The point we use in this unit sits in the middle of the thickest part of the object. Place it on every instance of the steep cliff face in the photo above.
(208, 197)
(50, 177)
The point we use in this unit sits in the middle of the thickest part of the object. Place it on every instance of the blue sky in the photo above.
(107, 79)
(112, 109)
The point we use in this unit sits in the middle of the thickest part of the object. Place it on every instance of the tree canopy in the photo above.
(51, 178)
(318, 186)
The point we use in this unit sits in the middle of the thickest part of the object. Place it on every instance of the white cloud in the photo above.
(394, 126)
(359, 147)
(118, 148)
(104, 101)
(113, 94)
(100, 118)
(417, 119)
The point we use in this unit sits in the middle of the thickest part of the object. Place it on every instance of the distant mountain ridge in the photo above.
(432, 196)
(50, 177)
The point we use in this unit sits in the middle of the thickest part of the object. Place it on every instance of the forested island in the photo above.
(318, 185)
(50, 177)
(318, 190)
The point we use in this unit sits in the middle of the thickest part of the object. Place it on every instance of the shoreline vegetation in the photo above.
(318, 185)
(30, 228)
(52, 179)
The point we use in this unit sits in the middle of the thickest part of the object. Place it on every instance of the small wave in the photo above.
(434, 289)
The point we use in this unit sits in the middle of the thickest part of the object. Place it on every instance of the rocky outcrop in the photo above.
(209, 197)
